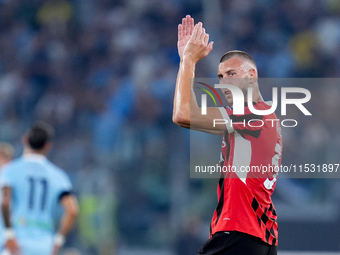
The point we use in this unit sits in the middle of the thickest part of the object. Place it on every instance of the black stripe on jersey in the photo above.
(246, 117)
(267, 235)
(274, 213)
(259, 220)
(221, 183)
(264, 218)
(221, 200)
(255, 204)
(272, 219)
(273, 234)
(226, 139)
(271, 208)
(274, 241)
(253, 133)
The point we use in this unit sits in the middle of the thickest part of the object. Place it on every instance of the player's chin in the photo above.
(230, 101)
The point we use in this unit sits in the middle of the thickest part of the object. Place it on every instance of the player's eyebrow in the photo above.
(230, 70)
(219, 74)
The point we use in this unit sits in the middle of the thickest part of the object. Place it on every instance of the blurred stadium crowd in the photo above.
(103, 74)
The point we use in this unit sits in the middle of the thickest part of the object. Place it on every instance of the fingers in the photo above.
(187, 26)
(199, 34)
(206, 39)
(209, 48)
(180, 32)
(191, 24)
(184, 25)
(200, 31)
(194, 33)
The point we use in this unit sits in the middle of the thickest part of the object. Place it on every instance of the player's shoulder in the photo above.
(15, 163)
(12, 169)
(56, 171)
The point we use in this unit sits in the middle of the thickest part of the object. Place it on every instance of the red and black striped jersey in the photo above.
(251, 150)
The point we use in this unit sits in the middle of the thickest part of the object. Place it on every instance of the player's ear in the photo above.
(48, 147)
(24, 140)
(252, 76)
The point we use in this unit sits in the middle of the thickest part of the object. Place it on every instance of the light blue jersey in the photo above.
(37, 186)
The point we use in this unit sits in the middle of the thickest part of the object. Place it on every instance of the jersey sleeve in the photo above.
(248, 123)
(65, 186)
(7, 176)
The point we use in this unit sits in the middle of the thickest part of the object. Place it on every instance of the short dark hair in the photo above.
(40, 134)
(237, 53)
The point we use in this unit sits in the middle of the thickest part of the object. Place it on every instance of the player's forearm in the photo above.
(5, 206)
(66, 223)
(70, 214)
(185, 99)
(6, 215)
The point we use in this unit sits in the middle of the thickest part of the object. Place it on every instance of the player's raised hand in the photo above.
(198, 46)
(185, 31)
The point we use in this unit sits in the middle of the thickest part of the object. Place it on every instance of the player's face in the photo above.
(233, 72)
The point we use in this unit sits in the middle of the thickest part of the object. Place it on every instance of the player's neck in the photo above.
(256, 94)
(255, 98)
(28, 151)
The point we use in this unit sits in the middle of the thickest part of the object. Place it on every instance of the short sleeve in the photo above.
(7, 177)
(65, 186)
(65, 182)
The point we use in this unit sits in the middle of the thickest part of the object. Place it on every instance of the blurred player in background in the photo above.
(244, 222)
(32, 187)
(6, 154)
